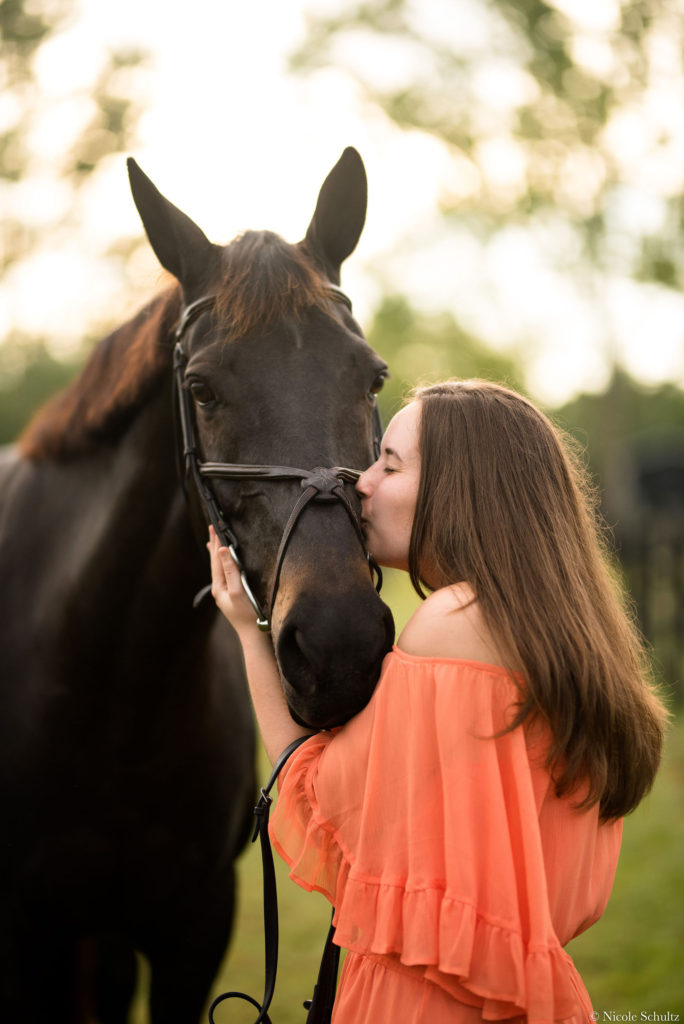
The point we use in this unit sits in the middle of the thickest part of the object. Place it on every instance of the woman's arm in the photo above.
(277, 727)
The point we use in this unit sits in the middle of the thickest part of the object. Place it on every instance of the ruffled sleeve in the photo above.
(426, 831)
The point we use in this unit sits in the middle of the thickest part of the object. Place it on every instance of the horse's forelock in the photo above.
(264, 279)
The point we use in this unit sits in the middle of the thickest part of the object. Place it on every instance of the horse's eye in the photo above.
(377, 384)
(201, 392)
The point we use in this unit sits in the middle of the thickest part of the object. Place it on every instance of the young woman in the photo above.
(466, 824)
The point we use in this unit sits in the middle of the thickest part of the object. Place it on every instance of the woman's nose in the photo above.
(362, 484)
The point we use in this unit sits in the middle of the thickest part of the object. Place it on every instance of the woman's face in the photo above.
(388, 490)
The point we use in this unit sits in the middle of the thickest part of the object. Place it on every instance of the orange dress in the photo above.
(456, 873)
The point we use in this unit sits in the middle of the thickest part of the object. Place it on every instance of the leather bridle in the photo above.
(318, 485)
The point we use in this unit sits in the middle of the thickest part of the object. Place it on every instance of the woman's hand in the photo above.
(227, 589)
(275, 722)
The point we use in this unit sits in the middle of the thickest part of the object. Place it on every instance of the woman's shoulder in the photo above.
(450, 624)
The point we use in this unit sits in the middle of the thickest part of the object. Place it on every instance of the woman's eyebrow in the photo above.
(391, 451)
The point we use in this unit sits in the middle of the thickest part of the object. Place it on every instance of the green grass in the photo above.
(633, 958)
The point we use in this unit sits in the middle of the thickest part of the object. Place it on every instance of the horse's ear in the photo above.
(180, 246)
(340, 213)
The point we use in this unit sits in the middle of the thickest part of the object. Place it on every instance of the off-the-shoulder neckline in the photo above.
(434, 658)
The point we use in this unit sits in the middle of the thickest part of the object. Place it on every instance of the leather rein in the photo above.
(320, 1005)
(321, 484)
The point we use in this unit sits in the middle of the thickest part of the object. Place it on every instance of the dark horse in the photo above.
(127, 748)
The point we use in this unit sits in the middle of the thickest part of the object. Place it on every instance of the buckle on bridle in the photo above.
(325, 481)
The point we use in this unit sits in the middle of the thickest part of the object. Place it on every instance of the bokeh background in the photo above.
(526, 223)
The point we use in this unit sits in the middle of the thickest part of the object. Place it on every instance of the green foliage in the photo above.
(22, 30)
(28, 376)
(116, 115)
(422, 347)
(626, 416)
(634, 436)
(108, 109)
(528, 81)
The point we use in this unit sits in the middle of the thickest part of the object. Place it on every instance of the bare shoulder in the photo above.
(449, 624)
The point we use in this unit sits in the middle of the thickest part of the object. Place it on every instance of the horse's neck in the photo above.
(122, 561)
(147, 520)
(133, 492)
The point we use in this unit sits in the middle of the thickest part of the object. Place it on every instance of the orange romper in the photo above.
(456, 873)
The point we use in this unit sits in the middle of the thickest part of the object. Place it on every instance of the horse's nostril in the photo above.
(298, 660)
(309, 653)
(330, 655)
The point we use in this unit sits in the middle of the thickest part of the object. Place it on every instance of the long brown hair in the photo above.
(504, 503)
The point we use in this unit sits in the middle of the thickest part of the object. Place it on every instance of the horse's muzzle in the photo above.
(330, 658)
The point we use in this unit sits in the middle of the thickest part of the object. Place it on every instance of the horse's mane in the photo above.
(262, 278)
(119, 376)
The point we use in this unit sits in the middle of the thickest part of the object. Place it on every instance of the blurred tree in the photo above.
(549, 110)
(60, 119)
(421, 347)
(28, 376)
(632, 435)
(634, 438)
(96, 114)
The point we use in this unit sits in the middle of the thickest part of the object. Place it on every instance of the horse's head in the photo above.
(280, 375)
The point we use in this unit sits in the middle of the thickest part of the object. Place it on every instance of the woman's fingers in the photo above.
(231, 573)
(226, 583)
(224, 572)
(218, 576)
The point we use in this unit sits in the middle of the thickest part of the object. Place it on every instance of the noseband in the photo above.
(318, 485)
